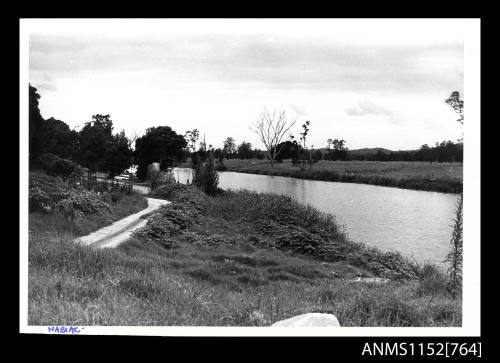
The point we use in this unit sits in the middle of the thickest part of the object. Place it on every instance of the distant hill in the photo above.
(369, 151)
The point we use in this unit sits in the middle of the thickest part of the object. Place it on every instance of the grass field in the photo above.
(225, 261)
(442, 177)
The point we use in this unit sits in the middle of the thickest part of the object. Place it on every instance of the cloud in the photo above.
(367, 107)
(46, 86)
(299, 110)
(254, 61)
(43, 82)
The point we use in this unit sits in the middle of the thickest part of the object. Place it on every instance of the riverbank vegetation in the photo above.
(235, 259)
(439, 177)
(54, 204)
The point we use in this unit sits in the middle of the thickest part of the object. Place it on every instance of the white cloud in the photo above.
(367, 107)
(218, 75)
(299, 110)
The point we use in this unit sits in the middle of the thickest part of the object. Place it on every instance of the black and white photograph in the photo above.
(244, 176)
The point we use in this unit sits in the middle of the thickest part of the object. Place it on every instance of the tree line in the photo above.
(445, 151)
(53, 145)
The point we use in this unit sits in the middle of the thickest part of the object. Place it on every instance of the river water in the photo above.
(416, 223)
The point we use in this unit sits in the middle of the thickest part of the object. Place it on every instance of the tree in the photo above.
(244, 150)
(35, 124)
(329, 143)
(191, 138)
(271, 127)
(339, 151)
(229, 148)
(317, 155)
(119, 155)
(218, 154)
(58, 139)
(457, 104)
(305, 156)
(290, 149)
(48, 136)
(159, 144)
(95, 139)
(303, 134)
(205, 176)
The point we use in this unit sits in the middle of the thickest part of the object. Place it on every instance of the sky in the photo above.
(371, 82)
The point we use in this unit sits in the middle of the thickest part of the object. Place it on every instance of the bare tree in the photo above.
(271, 127)
(133, 136)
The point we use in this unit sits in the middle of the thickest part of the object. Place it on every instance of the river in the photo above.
(413, 222)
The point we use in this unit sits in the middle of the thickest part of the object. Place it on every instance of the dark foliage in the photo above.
(446, 151)
(53, 165)
(288, 150)
(206, 177)
(244, 151)
(159, 144)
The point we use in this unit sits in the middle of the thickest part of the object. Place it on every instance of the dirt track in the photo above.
(118, 232)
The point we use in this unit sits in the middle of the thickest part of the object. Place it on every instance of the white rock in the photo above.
(310, 319)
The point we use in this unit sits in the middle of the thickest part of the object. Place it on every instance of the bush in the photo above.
(116, 197)
(432, 281)
(106, 186)
(182, 193)
(51, 194)
(81, 203)
(206, 177)
(169, 221)
(53, 165)
(220, 166)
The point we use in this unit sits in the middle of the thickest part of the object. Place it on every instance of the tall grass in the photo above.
(455, 255)
(143, 284)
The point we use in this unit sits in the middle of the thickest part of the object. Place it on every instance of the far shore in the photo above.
(416, 175)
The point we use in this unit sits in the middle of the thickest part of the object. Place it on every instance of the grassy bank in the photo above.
(439, 177)
(238, 259)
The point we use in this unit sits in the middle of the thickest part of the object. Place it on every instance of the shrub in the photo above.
(53, 165)
(181, 193)
(170, 221)
(432, 282)
(81, 203)
(52, 194)
(105, 186)
(220, 166)
(206, 177)
(116, 197)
